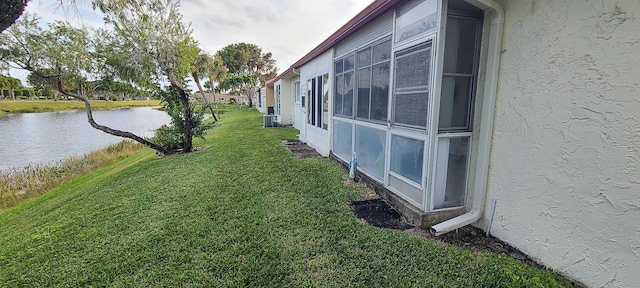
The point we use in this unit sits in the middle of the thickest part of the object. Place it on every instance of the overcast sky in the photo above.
(287, 28)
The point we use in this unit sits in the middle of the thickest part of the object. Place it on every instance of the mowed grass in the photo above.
(22, 183)
(241, 213)
(64, 105)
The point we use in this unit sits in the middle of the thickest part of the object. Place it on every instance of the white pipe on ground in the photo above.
(486, 129)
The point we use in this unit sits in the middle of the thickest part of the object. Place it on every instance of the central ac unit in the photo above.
(270, 120)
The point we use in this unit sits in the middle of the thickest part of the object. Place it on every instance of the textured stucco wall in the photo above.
(565, 155)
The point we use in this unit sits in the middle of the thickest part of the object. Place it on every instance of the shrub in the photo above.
(18, 93)
(232, 100)
(47, 93)
(170, 137)
(167, 137)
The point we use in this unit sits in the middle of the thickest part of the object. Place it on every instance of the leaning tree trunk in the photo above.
(197, 80)
(109, 130)
(187, 138)
(250, 97)
(215, 100)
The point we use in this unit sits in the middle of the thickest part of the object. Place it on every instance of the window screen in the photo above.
(458, 79)
(411, 92)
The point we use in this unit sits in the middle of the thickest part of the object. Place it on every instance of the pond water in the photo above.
(48, 137)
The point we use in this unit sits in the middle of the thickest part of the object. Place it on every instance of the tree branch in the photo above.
(103, 128)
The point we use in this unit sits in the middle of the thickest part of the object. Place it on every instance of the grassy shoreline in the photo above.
(21, 184)
(242, 213)
(66, 105)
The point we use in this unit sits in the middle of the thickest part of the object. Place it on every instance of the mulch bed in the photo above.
(378, 213)
(300, 149)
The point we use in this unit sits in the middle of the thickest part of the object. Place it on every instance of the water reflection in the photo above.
(46, 137)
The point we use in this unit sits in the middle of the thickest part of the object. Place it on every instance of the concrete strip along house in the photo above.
(451, 104)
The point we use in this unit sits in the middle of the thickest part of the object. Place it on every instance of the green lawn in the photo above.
(243, 213)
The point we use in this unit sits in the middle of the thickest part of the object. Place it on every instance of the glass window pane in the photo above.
(337, 101)
(310, 102)
(325, 101)
(455, 103)
(318, 101)
(411, 109)
(364, 87)
(460, 45)
(382, 52)
(407, 157)
(342, 139)
(380, 91)
(451, 172)
(303, 93)
(364, 58)
(370, 149)
(338, 66)
(348, 63)
(348, 94)
(416, 17)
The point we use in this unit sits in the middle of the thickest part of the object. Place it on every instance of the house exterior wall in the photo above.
(565, 150)
(215, 98)
(314, 136)
(260, 99)
(267, 99)
(296, 104)
(285, 117)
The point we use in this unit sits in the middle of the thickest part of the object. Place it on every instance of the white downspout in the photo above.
(486, 122)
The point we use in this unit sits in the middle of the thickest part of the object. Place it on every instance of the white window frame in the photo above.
(316, 117)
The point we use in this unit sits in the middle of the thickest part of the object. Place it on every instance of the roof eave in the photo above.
(374, 9)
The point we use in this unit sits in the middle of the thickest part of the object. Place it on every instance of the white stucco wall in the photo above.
(314, 136)
(565, 156)
(286, 111)
(296, 105)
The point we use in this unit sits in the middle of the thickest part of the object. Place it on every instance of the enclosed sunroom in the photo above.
(404, 100)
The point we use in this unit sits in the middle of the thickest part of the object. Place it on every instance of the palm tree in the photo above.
(203, 63)
(217, 73)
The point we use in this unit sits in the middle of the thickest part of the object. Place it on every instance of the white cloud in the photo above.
(287, 28)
